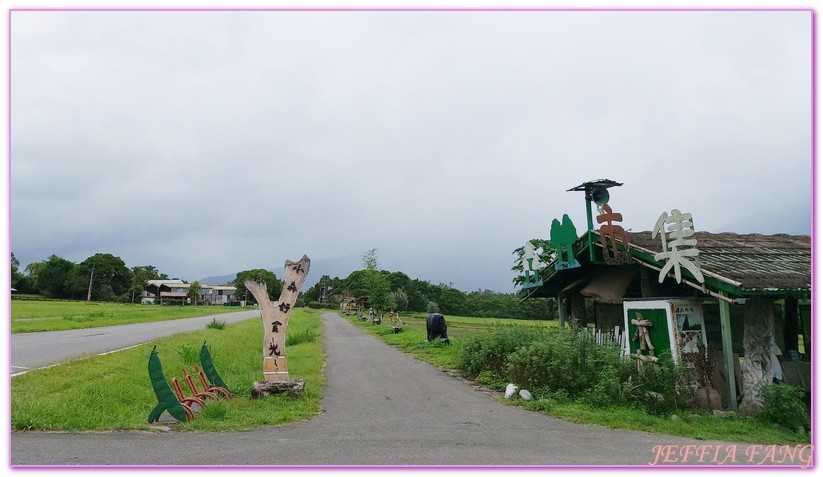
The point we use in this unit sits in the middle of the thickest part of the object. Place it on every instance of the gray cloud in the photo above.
(206, 143)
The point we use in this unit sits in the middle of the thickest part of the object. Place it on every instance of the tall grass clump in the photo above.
(189, 355)
(304, 336)
(216, 325)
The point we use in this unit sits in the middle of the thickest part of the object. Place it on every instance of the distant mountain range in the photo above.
(333, 267)
(795, 220)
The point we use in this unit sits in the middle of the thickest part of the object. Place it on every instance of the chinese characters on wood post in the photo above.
(276, 318)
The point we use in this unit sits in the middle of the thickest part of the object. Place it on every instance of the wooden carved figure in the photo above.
(276, 318)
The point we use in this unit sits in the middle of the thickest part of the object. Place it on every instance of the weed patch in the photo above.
(304, 336)
(216, 325)
(189, 355)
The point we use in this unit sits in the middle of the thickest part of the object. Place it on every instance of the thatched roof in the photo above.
(750, 261)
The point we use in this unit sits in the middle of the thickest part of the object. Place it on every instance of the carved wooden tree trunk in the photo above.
(757, 364)
(276, 318)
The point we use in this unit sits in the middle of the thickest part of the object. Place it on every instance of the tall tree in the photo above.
(263, 277)
(194, 292)
(16, 274)
(401, 300)
(370, 261)
(104, 274)
(139, 276)
(53, 276)
(452, 301)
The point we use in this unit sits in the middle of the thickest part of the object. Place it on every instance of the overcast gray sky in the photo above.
(207, 143)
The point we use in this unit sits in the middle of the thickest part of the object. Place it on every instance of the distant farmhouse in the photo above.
(177, 292)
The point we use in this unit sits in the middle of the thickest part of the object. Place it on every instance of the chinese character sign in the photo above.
(276, 318)
(562, 238)
(609, 233)
(675, 230)
(531, 267)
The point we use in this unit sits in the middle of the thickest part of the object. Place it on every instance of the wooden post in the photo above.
(276, 317)
(561, 312)
(728, 353)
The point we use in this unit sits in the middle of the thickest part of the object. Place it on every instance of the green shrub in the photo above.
(783, 404)
(614, 386)
(671, 381)
(490, 379)
(315, 304)
(566, 361)
(488, 351)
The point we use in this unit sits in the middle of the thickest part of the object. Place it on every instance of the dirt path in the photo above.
(381, 407)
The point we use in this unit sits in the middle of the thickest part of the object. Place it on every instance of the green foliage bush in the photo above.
(566, 361)
(671, 381)
(315, 304)
(487, 352)
(783, 405)
(565, 366)
(492, 380)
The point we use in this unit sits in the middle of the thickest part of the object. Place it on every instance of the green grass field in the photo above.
(412, 339)
(30, 316)
(114, 392)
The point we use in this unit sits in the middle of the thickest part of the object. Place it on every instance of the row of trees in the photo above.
(107, 278)
(102, 276)
(396, 290)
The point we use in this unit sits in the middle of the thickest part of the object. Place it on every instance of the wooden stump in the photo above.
(292, 389)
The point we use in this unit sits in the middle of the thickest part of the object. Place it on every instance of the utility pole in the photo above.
(93, 263)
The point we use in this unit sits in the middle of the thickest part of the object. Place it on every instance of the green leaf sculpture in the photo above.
(209, 369)
(167, 400)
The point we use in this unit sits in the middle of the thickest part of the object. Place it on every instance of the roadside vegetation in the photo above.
(30, 316)
(113, 392)
(572, 378)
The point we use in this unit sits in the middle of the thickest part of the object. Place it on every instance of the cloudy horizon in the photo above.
(207, 143)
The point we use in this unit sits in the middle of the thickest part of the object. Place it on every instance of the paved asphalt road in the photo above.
(36, 350)
(381, 407)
